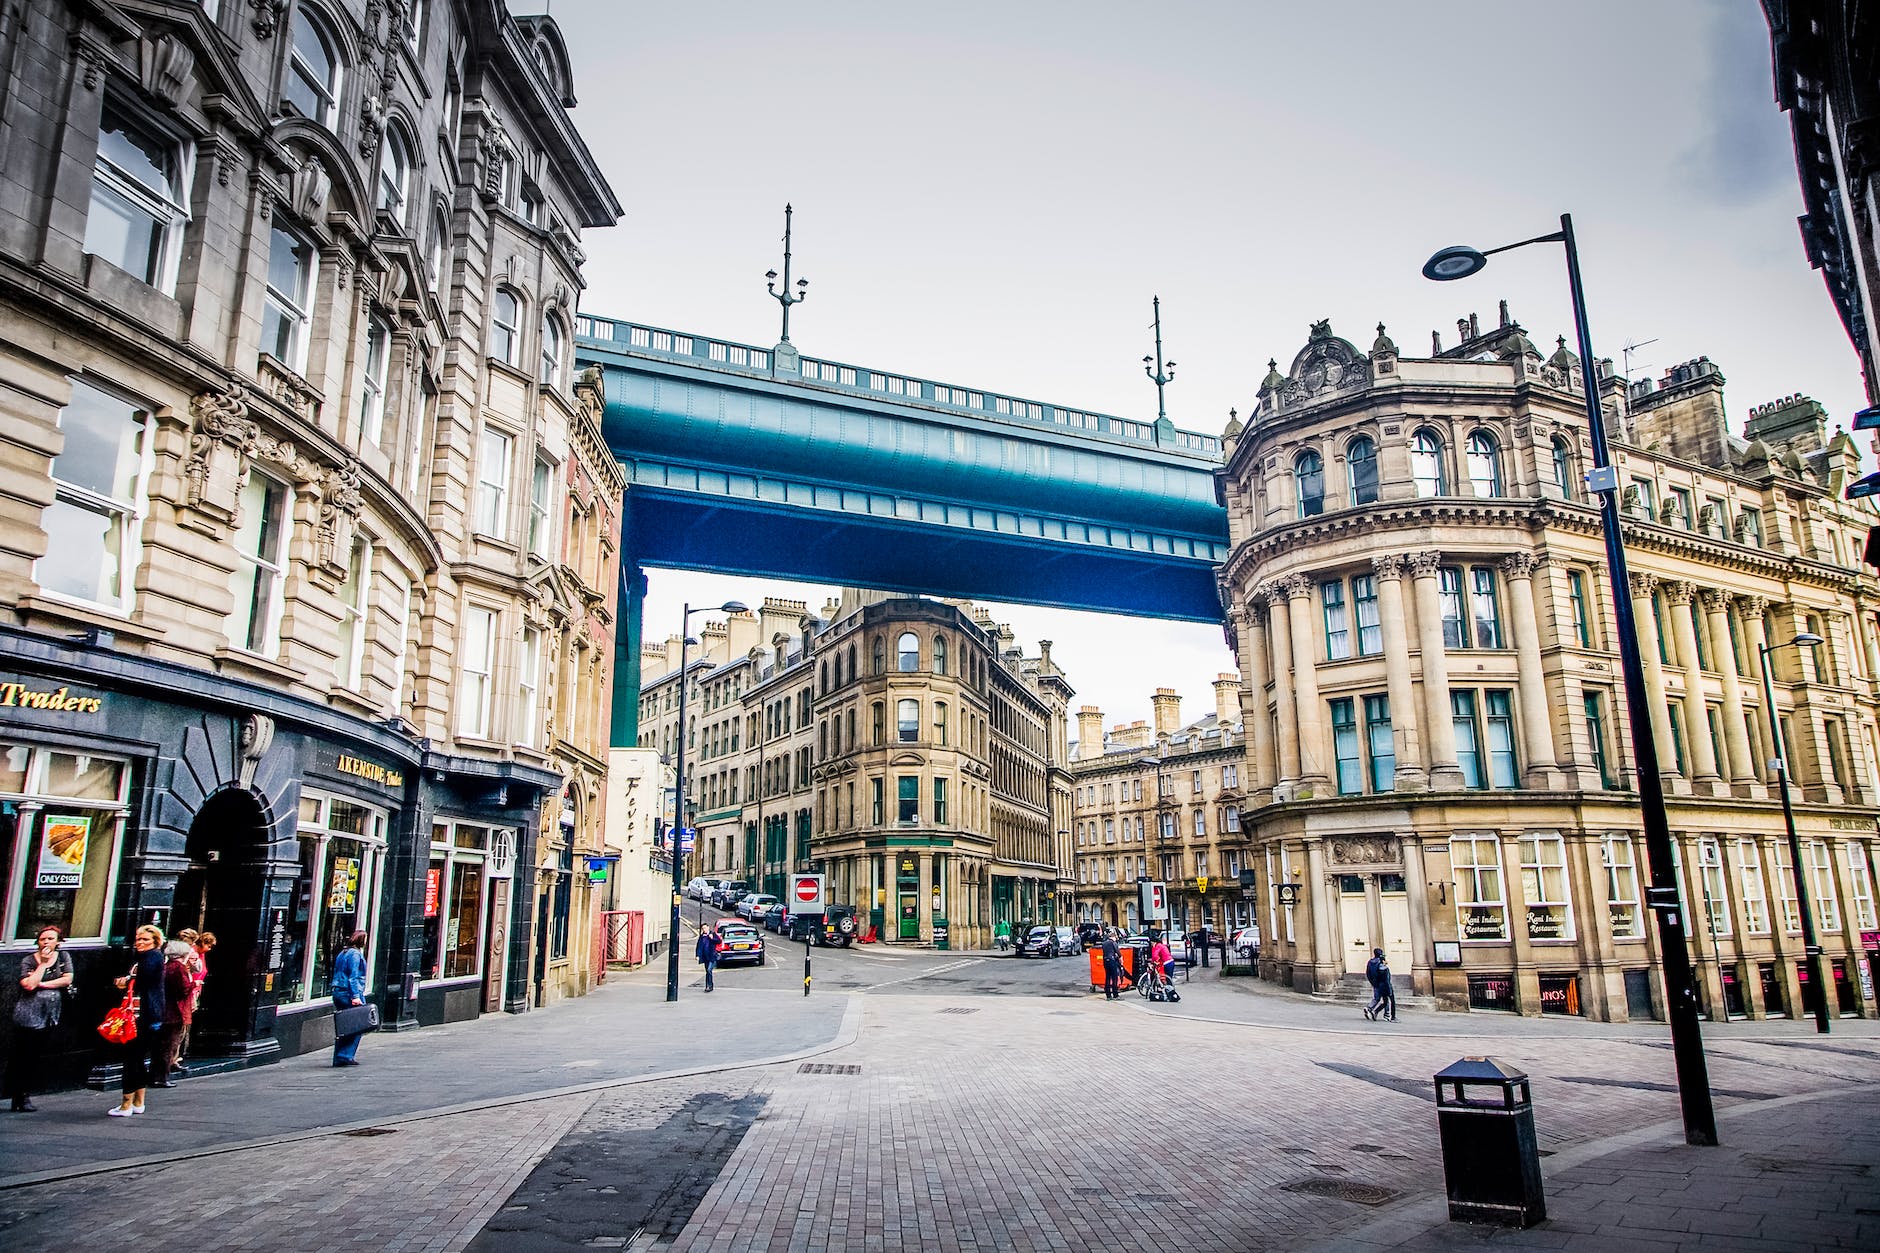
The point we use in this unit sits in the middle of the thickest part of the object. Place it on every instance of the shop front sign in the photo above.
(371, 771)
(17, 695)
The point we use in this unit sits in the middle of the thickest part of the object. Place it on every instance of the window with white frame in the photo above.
(1481, 909)
(342, 856)
(1622, 887)
(1230, 775)
(1749, 878)
(139, 197)
(1544, 887)
(1370, 639)
(528, 679)
(1562, 468)
(411, 26)
(478, 664)
(313, 69)
(257, 583)
(1821, 886)
(1427, 472)
(907, 721)
(372, 380)
(549, 373)
(287, 308)
(1337, 625)
(1484, 458)
(1483, 607)
(1784, 876)
(437, 252)
(1860, 886)
(355, 614)
(394, 195)
(1201, 822)
(1230, 819)
(541, 504)
(395, 596)
(493, 454)
(1716, 894)
(98, 481)
(62, 816)
(505, 326)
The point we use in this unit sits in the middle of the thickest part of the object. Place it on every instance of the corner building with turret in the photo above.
(1439, 763)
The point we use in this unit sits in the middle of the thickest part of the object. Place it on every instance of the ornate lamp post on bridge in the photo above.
(1160, 373)
(786, 297)
(1687, 1045)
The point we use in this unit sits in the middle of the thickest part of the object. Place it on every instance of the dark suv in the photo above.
(1089, 934)
(727, 894)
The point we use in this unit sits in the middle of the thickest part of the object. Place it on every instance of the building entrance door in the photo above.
(1354, 922)
(907, 897)
(495, 963)
(1394, 918)
(222, 892)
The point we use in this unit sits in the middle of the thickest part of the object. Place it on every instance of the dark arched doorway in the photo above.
(223, 891)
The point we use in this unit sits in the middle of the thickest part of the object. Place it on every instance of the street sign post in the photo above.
(1154, 901)
(806, 897)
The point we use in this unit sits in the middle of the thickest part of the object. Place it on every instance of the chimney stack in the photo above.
(1168, 711)
(1089, 733)
(1227, 700)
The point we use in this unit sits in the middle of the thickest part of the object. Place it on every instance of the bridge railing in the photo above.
(718, 354)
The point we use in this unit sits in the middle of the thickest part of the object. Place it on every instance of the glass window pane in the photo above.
(66, 870)
(103, 443)
(464, 929)
(84, 777)
(124, 233)
(83, 545)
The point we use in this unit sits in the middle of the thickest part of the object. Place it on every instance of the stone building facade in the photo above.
(905, 747)
(1163, 802)
(289, 445)
(1439, 761)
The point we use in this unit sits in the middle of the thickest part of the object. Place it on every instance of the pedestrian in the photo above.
(349, 989)
(1112, 965)
(176, 1007)
(1383, 995)
(44, 974)
(707, 950)
(143, 1052)
(1162, 958)
(198, 965)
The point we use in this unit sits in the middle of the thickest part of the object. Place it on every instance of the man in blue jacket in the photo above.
(349, 989)
(1383, 995)
(708, 952)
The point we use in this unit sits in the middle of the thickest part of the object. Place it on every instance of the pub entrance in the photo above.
(224, 891)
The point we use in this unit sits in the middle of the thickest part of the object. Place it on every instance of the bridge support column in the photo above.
(624, 727)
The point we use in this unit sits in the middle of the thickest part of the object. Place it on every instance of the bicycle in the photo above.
(1154, 985)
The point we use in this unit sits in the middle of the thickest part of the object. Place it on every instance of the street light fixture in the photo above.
(1810, 947)
(679, 809)
(1700, 1119)
(786, 297)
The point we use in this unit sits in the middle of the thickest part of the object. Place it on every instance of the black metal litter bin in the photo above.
(1491, 1162)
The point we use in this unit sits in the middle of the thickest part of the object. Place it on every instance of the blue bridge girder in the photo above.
(747, 461)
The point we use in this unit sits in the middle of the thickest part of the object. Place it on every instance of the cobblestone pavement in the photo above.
(1036, 1121)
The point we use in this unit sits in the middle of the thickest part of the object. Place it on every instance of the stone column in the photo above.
(1253, 708)
(1417, 889)
(1679, 595)
(1324, 899)
(1281, 638)
(1740, 769)
(1537, 722)
(1646, 623)
(1756, 637)
(923, 897)
(1440, 733)
(1305, 661)
(1412, 769)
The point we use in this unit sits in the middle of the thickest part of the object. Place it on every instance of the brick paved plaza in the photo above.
(954, 1102)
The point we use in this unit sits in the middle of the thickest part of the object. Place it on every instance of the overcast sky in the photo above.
(989, 193)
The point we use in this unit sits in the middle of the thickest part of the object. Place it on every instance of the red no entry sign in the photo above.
(806, 894)
(807, 889)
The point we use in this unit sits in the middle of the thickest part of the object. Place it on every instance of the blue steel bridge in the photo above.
(749, 461)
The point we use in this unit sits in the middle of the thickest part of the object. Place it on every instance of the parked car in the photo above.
(728, 893)
(773, 918)
(835, 926)
(1179, 944)
(1246, 943)
(701, 888)
(1039, 942)
(1068, 945)
(1089, 934)
(740, 942)
(751, 905)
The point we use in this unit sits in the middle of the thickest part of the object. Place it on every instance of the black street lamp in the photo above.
(679, 808)
(786, 297)
(1811, 948)
(1687, 1045)
(1160, 372)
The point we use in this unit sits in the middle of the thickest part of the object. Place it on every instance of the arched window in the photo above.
(907, 721)
(1309, 475)
(1361, 461)
(907, 652)
(395, 175)
(439, 249)
(1484, 465)
(505, 319)
(1426, 464)
(940, 723)
(1563, 468)
(550, 373)
(313, 70)
(940, 654)
(880, 649)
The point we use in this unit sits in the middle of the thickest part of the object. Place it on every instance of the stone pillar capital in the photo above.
(1296, 586)
(1754, 606)
(1642, 584)
(1389, 566)
(1424, 565)
(1518, 566)
(1715, 600)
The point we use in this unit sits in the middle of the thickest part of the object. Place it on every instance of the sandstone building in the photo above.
(301, 518)
(1438, 758)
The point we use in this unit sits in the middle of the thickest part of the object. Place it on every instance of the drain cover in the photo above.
(371, 1131)
(959, 1009)
(827, 1068)
(1342, 1190)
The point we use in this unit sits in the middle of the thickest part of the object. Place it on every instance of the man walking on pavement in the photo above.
(708, 952)
(1112, 965)
(1383, 995)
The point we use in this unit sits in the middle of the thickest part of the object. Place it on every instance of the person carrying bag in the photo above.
(352, 1017)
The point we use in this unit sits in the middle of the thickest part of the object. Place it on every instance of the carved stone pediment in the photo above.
(1367, 850)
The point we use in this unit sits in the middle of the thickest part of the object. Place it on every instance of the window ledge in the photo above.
(255, 665)
(349, 701)
(58, 610)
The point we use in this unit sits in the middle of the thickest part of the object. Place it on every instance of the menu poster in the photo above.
(62, 842)
(343, 892)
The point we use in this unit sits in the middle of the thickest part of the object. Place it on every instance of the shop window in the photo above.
(1494, 992)
(61, 818)
(342, 850)
(1560, 994)
(456, 887)
(139, 193)
(98, 483)
(1481, 909)
(257, 583)
(1544, 888)
(1622, 887)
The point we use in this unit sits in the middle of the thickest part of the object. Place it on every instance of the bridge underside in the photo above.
(728, 535)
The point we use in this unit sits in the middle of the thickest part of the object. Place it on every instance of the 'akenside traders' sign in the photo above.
(372, 771)
(15, 695)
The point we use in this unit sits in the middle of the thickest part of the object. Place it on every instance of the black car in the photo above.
(1089, 935)
(1038, 942)
(740, 942)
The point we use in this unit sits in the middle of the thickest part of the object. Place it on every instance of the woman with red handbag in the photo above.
(144, 1051)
